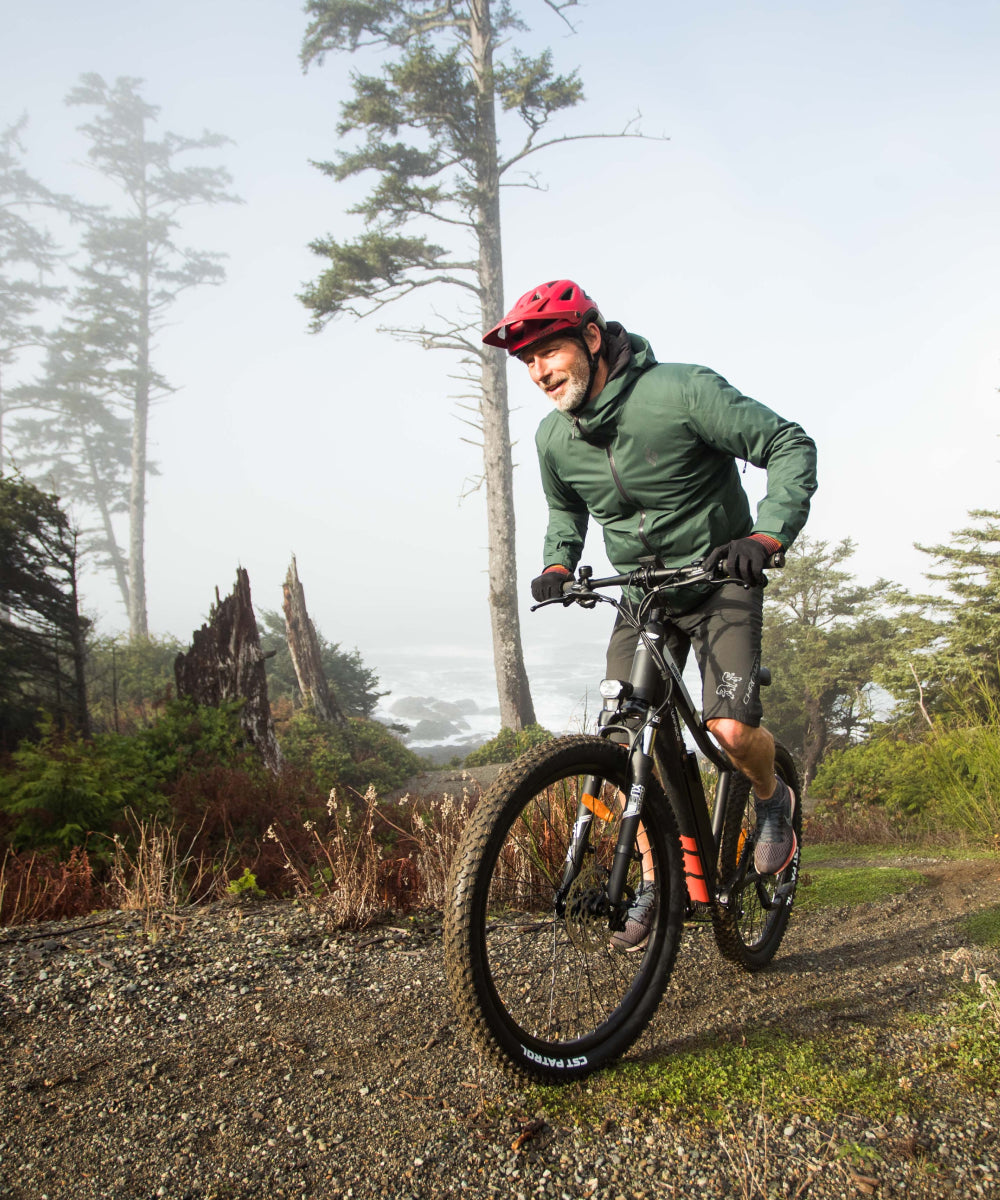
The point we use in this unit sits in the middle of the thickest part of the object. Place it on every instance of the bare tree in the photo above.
(225, 662)
(303, 645)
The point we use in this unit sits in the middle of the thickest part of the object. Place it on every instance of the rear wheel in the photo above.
(536, 978)
(750, 925)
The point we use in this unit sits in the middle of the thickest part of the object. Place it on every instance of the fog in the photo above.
(820, 228)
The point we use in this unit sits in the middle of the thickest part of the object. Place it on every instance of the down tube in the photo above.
(682, 783)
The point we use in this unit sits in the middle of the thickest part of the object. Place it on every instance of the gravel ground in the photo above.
(243, 1050)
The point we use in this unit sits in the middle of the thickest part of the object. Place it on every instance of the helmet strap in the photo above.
(593, 361)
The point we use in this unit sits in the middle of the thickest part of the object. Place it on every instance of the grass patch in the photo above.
(840, 887)
(983, 927)
(969, 1053)
(860, 1070)
(816, 852)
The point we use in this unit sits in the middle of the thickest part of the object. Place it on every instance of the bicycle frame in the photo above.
(651, 708)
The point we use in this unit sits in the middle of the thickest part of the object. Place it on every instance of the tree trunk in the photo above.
(303, 646)
(100, 490)
(813, 742)
(2, 432)
(516, 708)
(225, 662)
(78, 644)
(138, 626)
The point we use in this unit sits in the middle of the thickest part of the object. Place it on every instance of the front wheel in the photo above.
(752, 919)
(535, 974)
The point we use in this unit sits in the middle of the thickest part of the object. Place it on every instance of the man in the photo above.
(650, 451)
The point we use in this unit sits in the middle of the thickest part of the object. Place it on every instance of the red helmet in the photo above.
(556, 307)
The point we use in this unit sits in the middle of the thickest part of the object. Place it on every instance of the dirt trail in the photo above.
(244, 1051)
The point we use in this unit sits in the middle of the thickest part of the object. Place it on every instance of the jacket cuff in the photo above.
(770, 544)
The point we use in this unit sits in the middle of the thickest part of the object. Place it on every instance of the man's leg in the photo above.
(726, 634)
(752, 751)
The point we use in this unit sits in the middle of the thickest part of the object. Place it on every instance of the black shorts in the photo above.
(725, 631)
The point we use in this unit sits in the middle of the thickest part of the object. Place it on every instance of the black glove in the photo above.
(548, 585)
(745, 559)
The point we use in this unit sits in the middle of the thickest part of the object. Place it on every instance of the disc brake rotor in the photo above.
(587, 910)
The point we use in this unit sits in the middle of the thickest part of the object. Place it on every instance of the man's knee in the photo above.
(736, 738)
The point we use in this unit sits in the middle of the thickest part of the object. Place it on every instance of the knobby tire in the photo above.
(547, 993)
(748, 932)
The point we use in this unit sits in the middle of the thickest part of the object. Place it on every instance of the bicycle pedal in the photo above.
(698, 912)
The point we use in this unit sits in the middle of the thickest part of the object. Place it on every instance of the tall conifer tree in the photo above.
(826, 637)
(427, 125)
(101, 375)
(29, 256)
(42, 635)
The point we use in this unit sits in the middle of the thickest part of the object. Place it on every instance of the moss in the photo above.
(837, 887)
(862, 1070)
(983, 927)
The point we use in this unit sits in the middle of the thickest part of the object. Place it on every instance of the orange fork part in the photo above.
(597, 807)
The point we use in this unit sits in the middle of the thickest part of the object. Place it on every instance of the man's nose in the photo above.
(537, 370)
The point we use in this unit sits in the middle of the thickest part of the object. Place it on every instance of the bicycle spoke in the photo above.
(541, 981)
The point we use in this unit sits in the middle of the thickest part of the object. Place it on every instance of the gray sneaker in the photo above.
(776, 842)
(638, 920)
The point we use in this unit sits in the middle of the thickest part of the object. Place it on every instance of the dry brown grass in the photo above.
(856, 825)
(435, 826)
(34, 887)
(344, 870)
(158, 869)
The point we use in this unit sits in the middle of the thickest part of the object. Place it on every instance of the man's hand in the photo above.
(745, 558)
(548, 585)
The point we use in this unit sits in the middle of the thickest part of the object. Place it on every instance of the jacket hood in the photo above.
(629, 355)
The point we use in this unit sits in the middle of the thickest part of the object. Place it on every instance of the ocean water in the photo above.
(447, 696)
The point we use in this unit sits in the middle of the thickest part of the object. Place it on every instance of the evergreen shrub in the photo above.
(366, 754)
(508, 745)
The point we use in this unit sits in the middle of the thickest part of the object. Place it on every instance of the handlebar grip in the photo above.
(777, 560)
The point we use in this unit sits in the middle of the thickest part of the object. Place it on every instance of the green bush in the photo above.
(367, 754)
(881, 771)
(61, 789)
(949, 778)
(964, 764)
(129, 682)
(508, 745)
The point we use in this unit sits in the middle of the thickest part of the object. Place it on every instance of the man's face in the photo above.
(559, 366)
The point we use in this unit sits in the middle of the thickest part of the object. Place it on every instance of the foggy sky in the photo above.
(820, 228)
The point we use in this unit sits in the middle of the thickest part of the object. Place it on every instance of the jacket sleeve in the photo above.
(729, 421)
(568, 516)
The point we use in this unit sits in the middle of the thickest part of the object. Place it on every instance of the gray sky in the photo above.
(821, 228)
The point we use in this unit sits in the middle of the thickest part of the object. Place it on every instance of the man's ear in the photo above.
(592, 336)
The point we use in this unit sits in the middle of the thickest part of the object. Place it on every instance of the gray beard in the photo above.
(575, 395)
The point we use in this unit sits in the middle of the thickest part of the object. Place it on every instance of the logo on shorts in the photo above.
(754, 676)
(729, 684)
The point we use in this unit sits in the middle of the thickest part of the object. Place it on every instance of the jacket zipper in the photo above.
(628, 500)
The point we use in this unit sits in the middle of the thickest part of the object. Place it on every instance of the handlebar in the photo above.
(649, 578)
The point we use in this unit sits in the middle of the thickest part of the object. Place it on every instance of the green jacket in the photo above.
(653, 460)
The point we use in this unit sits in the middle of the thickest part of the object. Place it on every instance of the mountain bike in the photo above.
(571, 835)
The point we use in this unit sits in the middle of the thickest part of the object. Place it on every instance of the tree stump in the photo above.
(303, 646)
(225, 662)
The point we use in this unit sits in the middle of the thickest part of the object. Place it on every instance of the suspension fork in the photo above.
(641, 763)
(590, 805)
(645, 690)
